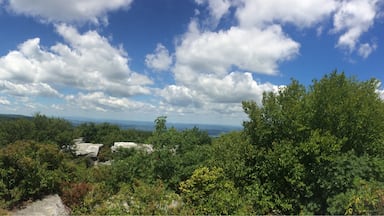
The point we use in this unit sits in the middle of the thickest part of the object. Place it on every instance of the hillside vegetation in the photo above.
(304, 150)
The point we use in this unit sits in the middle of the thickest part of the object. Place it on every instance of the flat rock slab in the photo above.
(49, 206)
(127, 145)
(87, 149)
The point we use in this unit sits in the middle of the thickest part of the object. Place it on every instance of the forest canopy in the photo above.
(304, 150)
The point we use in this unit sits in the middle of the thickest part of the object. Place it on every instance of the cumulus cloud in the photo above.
(182, 96)
(68, 11)
(214, 70)
(28, 89)
(249, 49)
(296, 12)
(234, 88)
(160, 60)
(352, 19)
(101, 102)
(231, 89)
(86, 62)
(4, 101)
(210, 68)
(217, 9)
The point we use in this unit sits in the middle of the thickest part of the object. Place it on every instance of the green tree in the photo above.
(159, 136)
(135, 164)
(55, 130)
(350, 110)
(160, 124)
(234, 154)
(14, 130)
(178, 153)
(311, 143)
(88, 131)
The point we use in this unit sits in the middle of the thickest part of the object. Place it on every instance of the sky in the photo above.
(193, 61)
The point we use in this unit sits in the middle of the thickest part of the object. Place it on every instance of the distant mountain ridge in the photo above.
(212, 130)
(13, 116)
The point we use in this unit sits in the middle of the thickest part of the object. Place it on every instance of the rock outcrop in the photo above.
(86, 149)
(146, 147)
(49, 206)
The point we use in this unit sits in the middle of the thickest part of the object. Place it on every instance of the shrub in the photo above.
(73, 193)
(207, 191)
(29, 170)
(141, 198)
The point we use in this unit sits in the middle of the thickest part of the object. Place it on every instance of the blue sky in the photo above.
(191, 60)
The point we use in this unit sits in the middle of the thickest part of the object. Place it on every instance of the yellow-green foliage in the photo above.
(141, 198)
(209, 192)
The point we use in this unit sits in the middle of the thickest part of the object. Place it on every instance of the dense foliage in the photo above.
(39, 128)
(29, 170)
(304, 150)
(313, 144)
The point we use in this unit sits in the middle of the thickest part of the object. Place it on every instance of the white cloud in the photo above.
(248, 49)
(4, 101)
(297, 12)
(233, 88)
(353, 18)
(208, 92)
(213, 70)
(57, 107)
(160, 60)
(102, 102)
(205, 80)
(28, 89)
(181, 96)
(319, 31)
(87, 62)
(68, 11)
(217, 9)
(366, 49)
(380, 91)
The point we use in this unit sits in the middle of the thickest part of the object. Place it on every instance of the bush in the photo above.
(73, 193)
(141, 198)
(207, 191)
(365, 198)
(29, 170)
